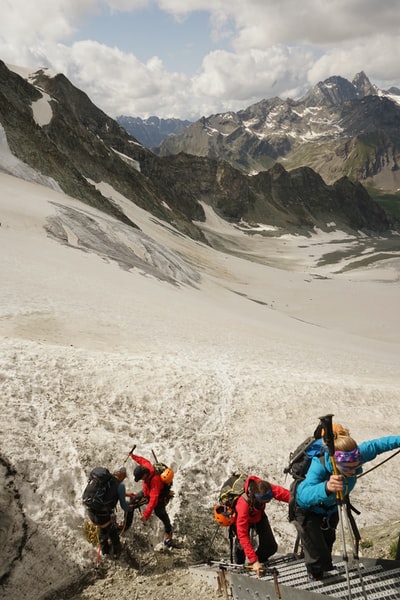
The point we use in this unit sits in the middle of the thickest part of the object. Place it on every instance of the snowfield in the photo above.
(215, 360)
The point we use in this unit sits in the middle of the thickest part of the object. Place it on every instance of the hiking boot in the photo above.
(312, 578)
(117, 551)
(331, 573)
(167, 540)
(105, 548)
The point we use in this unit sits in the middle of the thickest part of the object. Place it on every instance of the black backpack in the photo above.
(299, 463)
(101, 492)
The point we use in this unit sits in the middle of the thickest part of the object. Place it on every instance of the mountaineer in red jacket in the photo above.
(155, 491)
(250, 509)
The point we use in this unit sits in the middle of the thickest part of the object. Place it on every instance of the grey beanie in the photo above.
(121, 470)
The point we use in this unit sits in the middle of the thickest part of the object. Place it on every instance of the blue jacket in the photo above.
(121, 497)
(311, 493)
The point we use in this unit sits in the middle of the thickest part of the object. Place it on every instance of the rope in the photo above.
(378, 465)
(91, 532)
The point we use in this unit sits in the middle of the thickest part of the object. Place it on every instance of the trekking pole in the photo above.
(354, 539)
(352, 529)
(154, 456)
(208, 557)
(297, 544)
(231, 538)
(329, 441)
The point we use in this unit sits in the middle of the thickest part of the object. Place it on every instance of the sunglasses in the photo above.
(264, 497)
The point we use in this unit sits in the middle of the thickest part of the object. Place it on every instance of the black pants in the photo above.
(161, 512)
(108, 532)
(317, 535)
(267, 545)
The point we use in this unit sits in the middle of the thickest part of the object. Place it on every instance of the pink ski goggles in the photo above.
(342, 458)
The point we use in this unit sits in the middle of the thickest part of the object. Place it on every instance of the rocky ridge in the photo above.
(79, 146)
(152, 131)
(339, 128)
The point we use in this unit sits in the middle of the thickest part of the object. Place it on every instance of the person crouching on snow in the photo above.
(250, 509)
(156, 493)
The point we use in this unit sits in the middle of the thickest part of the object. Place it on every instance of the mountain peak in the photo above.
(332, 91)
(363, 85)
(336, 90)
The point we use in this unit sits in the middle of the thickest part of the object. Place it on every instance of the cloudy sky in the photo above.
(188, 58)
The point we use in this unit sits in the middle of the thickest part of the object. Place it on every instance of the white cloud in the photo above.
(314, 22)
(270, 49)
(374, 56)
(122, 84)
(253, 74)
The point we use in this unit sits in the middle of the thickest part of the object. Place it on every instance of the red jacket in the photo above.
(245, 517)
(152, 485)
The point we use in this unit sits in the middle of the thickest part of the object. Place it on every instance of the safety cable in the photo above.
(378, 465)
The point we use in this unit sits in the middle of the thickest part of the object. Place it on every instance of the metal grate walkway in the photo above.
(286, 578)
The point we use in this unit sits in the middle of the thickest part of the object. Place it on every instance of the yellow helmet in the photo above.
(224, 515)
(167, 475)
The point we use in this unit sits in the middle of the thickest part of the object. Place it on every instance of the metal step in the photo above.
(286, 578)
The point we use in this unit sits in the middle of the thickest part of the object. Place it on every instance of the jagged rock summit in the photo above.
(339, 128)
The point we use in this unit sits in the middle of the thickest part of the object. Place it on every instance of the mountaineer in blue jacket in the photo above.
(316, 512)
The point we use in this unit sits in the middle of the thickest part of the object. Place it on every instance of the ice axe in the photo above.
(129, 453)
